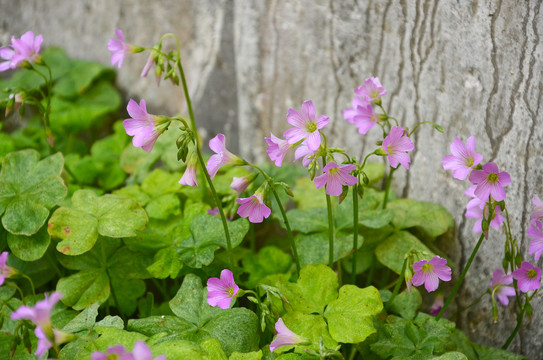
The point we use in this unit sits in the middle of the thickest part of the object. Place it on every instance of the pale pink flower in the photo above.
(140, 352)
(221, 157)
(475, 208)
(119, 49)
(538, 208)
(490, 182)
(26, 48)
(6, 53)
(437, 305)
(430, 272)
(397, 144)
(535, 231)
(145, 128)
(498, 286)
(528, 277)
(222, 291)
(253, 208)
(213, 211)
(189, 178)
(463, 158)
(285, 336)
(45, 343)
(40, 314)
(239, 184)
(303, 152)
(335, 177)
(305, 126)
(277, 149)
(371, 90)
(361, 115)
(5, 270)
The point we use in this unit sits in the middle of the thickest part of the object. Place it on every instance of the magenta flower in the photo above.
(437, 305)
(213, 211)
(222, 291)
(222, 156)
(535, 231)
(305, 126)
(5, 270)
(538, 208)
(285, 336)
(145, 128)
(362, 115)
(475, 209)
(463, 158)
(277, 149)
(6, 53)
(303, 152)
(528, 277)
(140, 352)
(397, 144)
(26, 48)
(253, 208)
(371, 90)
(334, 177)
(119, 49)
(490, 182)
(40, 314)
(189, 177)
(498, 286)
(430, 272)
(239, 184)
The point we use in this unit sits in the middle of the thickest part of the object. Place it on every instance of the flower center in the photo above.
(492, 178)
(532, 274)
(311, 126)
(112, 357)
(231, 291)
(470, 161)
(374, 94)
(427, 268)
(333, 171)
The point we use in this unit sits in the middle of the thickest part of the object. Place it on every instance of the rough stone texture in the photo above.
(474, 67)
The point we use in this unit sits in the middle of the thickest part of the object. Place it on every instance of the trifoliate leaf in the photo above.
(392, 251)
(430, 219)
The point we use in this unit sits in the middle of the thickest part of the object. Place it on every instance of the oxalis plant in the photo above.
(114, 253)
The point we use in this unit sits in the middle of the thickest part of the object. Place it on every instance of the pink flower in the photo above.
(535, 231)
(437, 305)
(144, 127)
(222, 291)
(189, 177)
(303, 152)
(362, 115)
(119, 49)
(148, 64)
(371, 90)
(538, 208)
(45, 343)
(305, 126)
(528, 277)
(253, 208)
(499, 288)
(430, 272)
(222, 156)
(140, 352)
(490, 182)
(26, 48)
(463, 158)
(475, 209)
(5, 270)
(40, 314)
(285, 336)
(213, 211)
(334, 177)
(277, 149)
(397, 145)
(239, 184)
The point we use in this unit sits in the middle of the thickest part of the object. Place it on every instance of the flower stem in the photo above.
(517, 328)
(330, 225)
(31, 283)
(462, 276)
(355, 231)
(387, 186)
(398, 283)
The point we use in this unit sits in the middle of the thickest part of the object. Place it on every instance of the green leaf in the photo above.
(84, 321)
(29, 248)
(316, 287)
(207, 235)
(161, 182)
(79, 78)
(84, 288)
(312, 327)
(375, 171)
(350, 316)
(29, 188)
(376, 219)
(430, 219)
(453, 355)
(308, 220)
(163, 206)
(110, 321)
(78, 226)
(133, 192)
(307, 196)
(392, 251)
(254, 355)
(269, 260)
(214, 349)
(189, 302)
(313, 248)
(166, 263)
(406, 304)
(179, 349)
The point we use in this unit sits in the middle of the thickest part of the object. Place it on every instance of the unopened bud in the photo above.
(518, 260)
(365, 178)
(344, 192)
(439, 128)
(360, 190)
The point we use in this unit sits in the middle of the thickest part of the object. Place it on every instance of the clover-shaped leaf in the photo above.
(78, 226)
(29, 188)
(392, 251)
(430, 219)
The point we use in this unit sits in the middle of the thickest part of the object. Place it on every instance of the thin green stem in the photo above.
(31, 283)
(421, 123)
(187, 98)
(387, 186)
(10, 284)
(252, 239)
(330, 224)
(355, 231)
(462, 276)
(517, 328)
(398, 282)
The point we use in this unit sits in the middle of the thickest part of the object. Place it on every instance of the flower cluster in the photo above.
(21, 51)
(362, 114)
(140, 352)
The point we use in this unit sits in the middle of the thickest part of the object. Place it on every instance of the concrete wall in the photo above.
(474, 67)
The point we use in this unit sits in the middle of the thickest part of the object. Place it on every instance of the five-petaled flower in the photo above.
(221, 157)
(334, 177)
(239, 184)
(362, 115)
(253, 207)
(430, 272)
(26, 48)
(145, 128)
(119, 48)
(285, 336)
(277, 149)
(498, 286)
(305, 126)
(528, 277)
(140, 352)
(371, 90)
(397, 144)
(222, 291)
(490, 181)
(463, 158)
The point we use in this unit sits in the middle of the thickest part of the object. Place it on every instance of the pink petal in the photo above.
(313, 141)
(320, 181)
(217, 143)
(308, 111)
(295, 119)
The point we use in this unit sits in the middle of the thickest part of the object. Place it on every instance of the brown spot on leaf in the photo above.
(67, 230)
(49, 226)
(65, 249)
